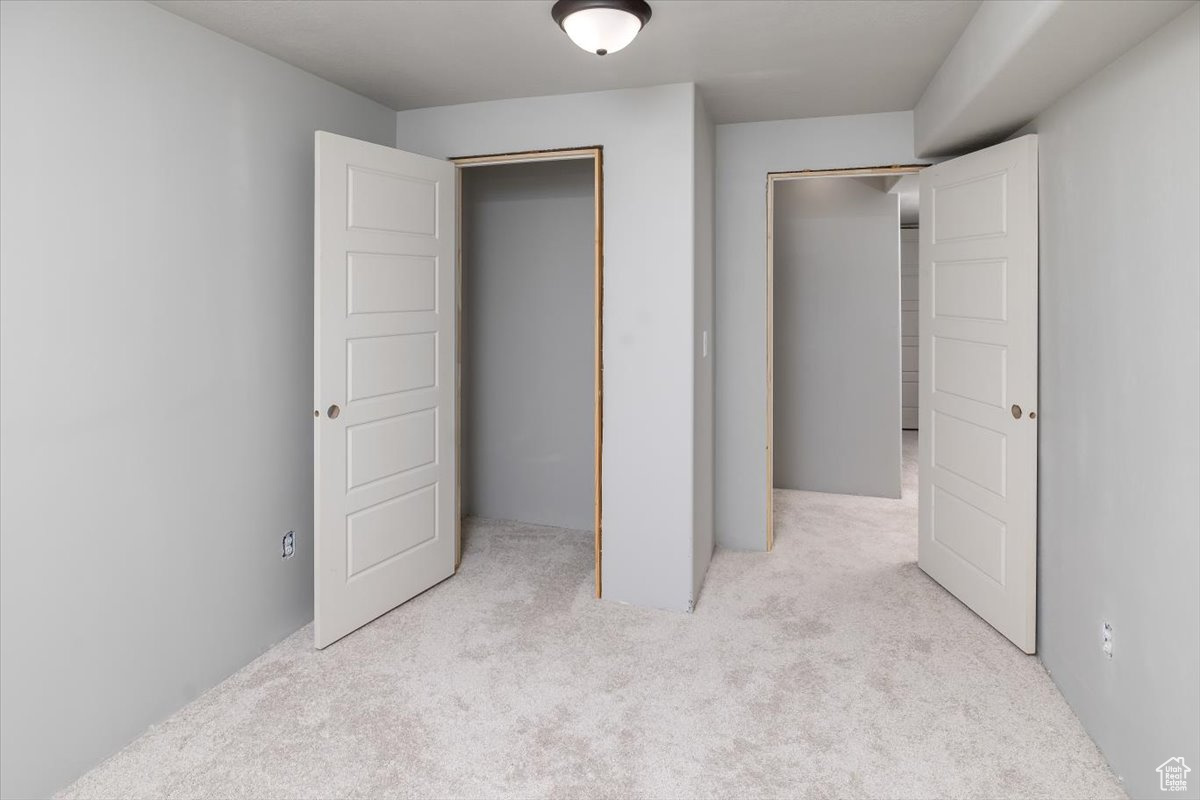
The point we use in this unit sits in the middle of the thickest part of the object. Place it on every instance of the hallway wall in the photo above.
(1119, 458)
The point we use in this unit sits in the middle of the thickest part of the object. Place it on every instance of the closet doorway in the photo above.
(529, 430)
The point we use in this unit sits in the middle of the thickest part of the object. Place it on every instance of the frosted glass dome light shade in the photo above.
(601, 26)
(601, 30)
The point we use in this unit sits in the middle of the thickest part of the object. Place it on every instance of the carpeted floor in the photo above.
(831, 667)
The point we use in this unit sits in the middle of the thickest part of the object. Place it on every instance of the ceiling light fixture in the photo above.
(601, 26)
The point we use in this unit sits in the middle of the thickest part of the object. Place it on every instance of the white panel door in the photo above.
(978, 378)
(384, 352)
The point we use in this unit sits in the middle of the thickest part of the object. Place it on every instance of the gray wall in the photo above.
(156, 351)
(702, 436)
(1119, 415)
(527, 327)
(745, 154)
(837, 336)
(649, 228)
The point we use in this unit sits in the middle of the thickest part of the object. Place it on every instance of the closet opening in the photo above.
(530, 366)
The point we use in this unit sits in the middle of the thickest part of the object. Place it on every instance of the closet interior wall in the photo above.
(528, 342)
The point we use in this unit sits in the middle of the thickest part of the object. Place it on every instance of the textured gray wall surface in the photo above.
(527, 342)
(156, 306)
(1119, 415)
(702, 445)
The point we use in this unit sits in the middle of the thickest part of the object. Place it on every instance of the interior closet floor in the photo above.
(832, 667)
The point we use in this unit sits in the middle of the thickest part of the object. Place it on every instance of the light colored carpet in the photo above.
(831, 667)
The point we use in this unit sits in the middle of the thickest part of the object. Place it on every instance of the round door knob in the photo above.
(1016, 411)
(334, 411)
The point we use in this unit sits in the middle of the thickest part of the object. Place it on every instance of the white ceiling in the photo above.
(752, 59)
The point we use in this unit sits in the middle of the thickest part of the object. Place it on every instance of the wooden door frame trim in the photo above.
(596, 153)
(772, 177)
(560, 154)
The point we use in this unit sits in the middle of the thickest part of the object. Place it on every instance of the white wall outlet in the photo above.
(1106, 638)
(289, 544)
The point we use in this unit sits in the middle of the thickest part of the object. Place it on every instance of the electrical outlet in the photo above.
(289, 544)
(1106, 639)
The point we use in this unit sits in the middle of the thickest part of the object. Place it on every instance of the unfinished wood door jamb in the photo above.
(895, 169)
(595, 153)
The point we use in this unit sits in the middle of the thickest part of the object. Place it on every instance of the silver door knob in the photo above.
(334, 411)
(1016, 411)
